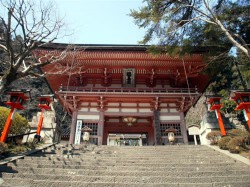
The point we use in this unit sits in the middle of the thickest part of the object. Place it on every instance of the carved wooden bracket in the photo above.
(106, 81)
(150, 81)
(102, 104)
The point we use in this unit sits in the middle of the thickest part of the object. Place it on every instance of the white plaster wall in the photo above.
(145, 110)
(84, 109)
(113, 104)
(170, 118)
(164, 110)
(144, 104)
(93, 110)
(91, 117)
(112, 110)
(84, 103)
(47, 135)
(164, 104)
(129, 110)
(128, 104)
(203, 139)
(173, 110)
(172, 104)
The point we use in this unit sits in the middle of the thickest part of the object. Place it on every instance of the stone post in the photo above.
(195, 140)
(157, 130)
(183, 128)
(100, 128)
(73, 127)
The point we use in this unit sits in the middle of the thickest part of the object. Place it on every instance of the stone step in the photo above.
(39, 183)
(187, 148)
(86, 172)
(129, 179)
(137, 168)
(127, 161)
(149, 165)
(115, 156)
(125, 157)
(178, 165)
(118, 154)
(135, 150)
(139, 149)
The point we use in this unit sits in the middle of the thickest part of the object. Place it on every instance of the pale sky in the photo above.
(100, 21)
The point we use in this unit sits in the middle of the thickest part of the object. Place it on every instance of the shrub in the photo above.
(18, 149)
(3, 147)
(19, 124)
(235, 144)
(239, 132)
(223, 142)
(30, 145)
(214, 136)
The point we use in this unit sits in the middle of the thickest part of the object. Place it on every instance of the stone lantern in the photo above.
(213, 103)
(86, 133)
(171, 136)
(44, 104)
(17, 99)
(242, 100)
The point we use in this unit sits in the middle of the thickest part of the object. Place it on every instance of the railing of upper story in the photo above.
(128, 90)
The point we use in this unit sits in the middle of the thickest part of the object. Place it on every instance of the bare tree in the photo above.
(26, 25)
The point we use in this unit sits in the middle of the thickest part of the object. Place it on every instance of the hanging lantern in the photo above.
(86, 133)
(171, 136)
(129, 120)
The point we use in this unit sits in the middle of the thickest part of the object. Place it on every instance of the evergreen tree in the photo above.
(220, 23)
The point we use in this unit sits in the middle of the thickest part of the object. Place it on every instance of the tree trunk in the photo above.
(240, 75)
(3, 86)
(7, 79)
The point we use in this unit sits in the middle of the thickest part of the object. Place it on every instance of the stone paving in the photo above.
(175, 166)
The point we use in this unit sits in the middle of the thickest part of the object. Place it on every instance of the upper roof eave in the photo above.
(112, 47)
(95, 47)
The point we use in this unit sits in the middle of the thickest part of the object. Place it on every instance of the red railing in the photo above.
(132, 90)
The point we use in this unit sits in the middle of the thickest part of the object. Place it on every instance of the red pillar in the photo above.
(40, 123)
(221, 124)
(7, 125)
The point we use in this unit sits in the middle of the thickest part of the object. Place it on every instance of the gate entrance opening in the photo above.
(117, 139)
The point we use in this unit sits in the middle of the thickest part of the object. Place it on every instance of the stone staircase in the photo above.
(98, 166)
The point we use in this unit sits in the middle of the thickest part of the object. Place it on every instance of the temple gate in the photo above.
(123, 90)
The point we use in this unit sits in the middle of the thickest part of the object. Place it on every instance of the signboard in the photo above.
(193, 130)
(78, 132)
